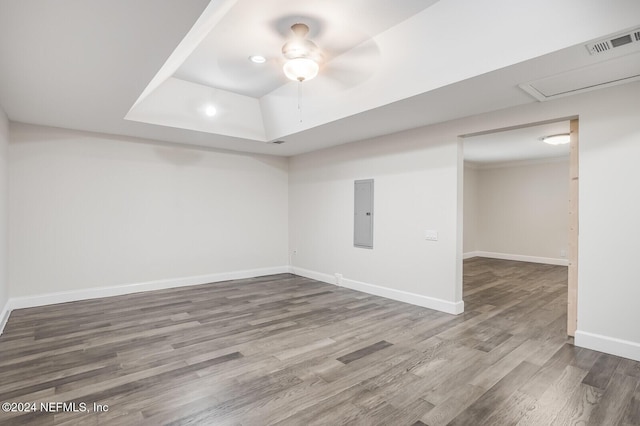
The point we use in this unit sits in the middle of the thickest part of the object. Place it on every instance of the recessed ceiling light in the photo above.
(560, 139)
(257, 59)
(210, 111)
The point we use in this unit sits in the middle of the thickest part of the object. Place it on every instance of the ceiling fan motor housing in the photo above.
(299, 46)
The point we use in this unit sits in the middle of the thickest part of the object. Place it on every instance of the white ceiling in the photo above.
(516, 145)
(388, 66)
(262, 27)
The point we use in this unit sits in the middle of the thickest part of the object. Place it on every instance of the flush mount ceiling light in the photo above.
(559, 139)
(302, 55)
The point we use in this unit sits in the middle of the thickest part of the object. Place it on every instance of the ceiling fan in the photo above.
(302, 49)
(302, 56)
(303, 59)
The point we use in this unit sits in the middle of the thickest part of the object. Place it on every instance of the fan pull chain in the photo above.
(299, 95)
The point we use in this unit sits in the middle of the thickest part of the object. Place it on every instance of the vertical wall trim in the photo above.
(572, 291)
(460, 222)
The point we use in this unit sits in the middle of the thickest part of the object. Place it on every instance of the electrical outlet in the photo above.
(431, 235)
(563, 253)
(295, 252)
(338, 279)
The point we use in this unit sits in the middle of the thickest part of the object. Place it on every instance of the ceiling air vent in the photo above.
(603, 46)
(611, 43)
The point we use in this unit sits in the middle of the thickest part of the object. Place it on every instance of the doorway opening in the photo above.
(520, 205)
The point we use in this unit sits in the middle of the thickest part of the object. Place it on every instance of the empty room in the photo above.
(243, 212)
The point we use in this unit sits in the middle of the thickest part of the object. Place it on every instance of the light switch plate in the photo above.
(431, 235)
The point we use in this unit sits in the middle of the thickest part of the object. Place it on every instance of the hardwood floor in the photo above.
(292, 351)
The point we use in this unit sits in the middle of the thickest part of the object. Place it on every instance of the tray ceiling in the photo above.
(153, 68)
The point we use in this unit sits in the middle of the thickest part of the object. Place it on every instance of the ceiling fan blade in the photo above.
(240, 76)
(353, 67)
(367, 50)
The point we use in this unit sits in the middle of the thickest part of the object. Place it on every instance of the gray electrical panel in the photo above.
(363, 214)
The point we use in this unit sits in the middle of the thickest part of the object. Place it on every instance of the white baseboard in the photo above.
(400, 295)
(318, 276)
(518, 257)
(4, 316)
(610, 345)
(98, 292)
(470, 254)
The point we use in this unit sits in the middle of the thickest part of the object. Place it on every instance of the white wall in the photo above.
(415, 184)
(522, 211)
(471, 209)
(90, 210)
(415, 181)
(609, 284)
(4, 284)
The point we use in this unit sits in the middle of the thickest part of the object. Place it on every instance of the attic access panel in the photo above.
(624, 69)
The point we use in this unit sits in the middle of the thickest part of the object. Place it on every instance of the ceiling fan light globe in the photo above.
(301, 69)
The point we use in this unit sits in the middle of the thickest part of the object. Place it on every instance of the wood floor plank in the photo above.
(615, 399)
(602, 371)
(513, 410)
(553, 369)
(356, 355)
(549, 404)
(289, 350)
(490, 401)
(578, 408)
(450, 408)
(631, 416)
